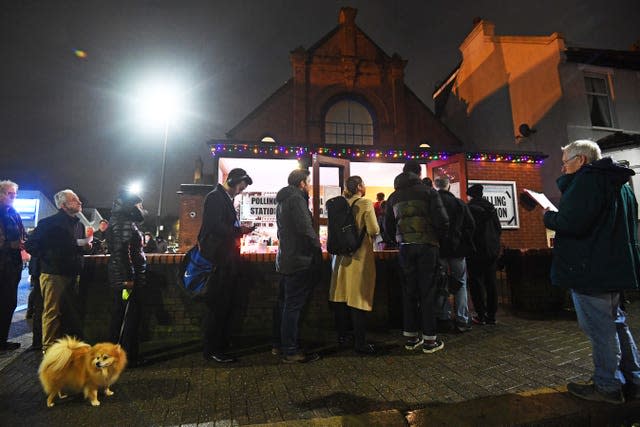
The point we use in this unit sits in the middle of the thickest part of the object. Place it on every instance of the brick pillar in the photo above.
(299, 114)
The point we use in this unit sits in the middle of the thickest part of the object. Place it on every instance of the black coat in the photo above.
(414, 212)
(127, 260)
(486, 237)
(459, 240)
(54, 243)
(11, 232)
(220, 230)
(299, 247)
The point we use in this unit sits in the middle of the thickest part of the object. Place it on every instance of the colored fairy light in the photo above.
(80, 54)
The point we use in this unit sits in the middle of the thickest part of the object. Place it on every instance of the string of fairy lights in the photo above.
(355, 153)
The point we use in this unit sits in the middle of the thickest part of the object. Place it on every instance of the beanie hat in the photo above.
(475, 191)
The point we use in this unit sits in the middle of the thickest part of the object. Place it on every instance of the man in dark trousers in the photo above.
(483, 263)
(12, 237)
(454, 248)
(417, 220)
(219, 242)
(59, 243)
(298, 253)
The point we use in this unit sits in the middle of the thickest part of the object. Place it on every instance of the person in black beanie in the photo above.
(482, 264)
(219, 242)
(127, 272)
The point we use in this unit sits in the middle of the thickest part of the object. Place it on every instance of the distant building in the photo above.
(534, 93)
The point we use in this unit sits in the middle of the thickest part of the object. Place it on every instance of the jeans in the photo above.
(482, 281)
(457, 269)
(296, 287)
(614, 352)
(418, 263)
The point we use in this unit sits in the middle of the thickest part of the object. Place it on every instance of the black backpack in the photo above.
(343, 237)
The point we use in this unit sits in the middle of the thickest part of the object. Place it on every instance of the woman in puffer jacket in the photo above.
(127, 267)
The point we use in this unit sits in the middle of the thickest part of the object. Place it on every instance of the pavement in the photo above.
(513, 373)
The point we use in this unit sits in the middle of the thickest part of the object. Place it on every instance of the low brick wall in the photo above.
(170, 315)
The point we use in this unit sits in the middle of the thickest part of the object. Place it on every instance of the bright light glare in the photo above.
(135, 188)
(159, 103)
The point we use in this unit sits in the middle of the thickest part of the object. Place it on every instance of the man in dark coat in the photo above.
(219, 242)
(596, 256)
(417, 220)
(127, 272)
(12, 238)
(482, 264)
(299, 252)
(453, 249)
(100, 238)
(59, 243)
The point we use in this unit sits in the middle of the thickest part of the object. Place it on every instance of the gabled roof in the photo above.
(263, 104)
(625, 59)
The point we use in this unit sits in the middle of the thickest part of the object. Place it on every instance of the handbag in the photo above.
(195, 273)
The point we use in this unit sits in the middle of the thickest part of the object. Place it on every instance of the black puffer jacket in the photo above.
(414, 212)
(299, 247)
(54, 242)
(127, 261)
(486, 236)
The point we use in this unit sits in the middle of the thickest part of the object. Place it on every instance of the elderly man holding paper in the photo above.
(59, 242)
(596, 256)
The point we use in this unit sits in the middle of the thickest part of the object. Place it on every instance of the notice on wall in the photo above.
(258, 207)
(503, 195)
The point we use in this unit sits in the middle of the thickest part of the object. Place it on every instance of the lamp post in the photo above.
(160, 102)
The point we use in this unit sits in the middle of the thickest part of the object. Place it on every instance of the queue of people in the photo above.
(596, 256)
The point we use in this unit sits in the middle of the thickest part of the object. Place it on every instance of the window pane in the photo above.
(350, 123)
(596, 85)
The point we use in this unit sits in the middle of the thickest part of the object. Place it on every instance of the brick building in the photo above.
(346, 107)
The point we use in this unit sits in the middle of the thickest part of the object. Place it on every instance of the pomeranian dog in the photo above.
(74, 366)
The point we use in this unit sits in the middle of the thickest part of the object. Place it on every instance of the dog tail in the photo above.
(59, 354)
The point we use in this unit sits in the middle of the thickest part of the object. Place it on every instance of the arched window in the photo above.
(348, 122)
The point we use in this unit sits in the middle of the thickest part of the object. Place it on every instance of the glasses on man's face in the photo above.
(564, 162)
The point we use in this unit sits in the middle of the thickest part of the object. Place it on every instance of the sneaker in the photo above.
(301, 358)
(413, 343)
(463, 327)
(432, 346)
(276, 351)
(477, 320)
(220, 358)
(591, 392)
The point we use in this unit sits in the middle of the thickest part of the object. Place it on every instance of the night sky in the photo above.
(68, 122)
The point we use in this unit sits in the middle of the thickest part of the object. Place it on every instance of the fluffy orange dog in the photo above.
(74, 366)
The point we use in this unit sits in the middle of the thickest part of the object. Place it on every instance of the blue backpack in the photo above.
(196, 271)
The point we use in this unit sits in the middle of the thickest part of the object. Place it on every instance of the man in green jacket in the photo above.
(596, 256)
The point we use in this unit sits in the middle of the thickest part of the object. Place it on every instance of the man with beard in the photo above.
(299, 252)
(219, 242)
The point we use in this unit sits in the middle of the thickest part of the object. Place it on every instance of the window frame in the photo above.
(344, 133)
(606, 76)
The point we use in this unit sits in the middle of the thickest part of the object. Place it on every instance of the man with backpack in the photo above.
(453, 249)
(299, 255)
(417, 220)
(482, 264)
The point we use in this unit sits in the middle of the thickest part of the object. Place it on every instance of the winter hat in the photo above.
(237, 175)
(475, 191)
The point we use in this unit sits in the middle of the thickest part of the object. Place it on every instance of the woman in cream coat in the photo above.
(353, 278)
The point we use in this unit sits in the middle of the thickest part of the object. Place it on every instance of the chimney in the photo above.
(347, 16)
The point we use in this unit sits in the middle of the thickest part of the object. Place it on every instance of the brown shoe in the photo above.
(301, 358)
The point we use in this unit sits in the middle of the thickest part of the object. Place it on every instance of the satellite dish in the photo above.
(525, 130)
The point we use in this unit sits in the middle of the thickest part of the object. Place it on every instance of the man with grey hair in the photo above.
(59, 242)
(454, 247)
(12, 237)
(596, 256)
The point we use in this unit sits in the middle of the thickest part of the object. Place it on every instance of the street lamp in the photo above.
(160, 103)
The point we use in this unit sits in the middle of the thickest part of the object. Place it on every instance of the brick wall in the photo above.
(190, 211)
(531, 233)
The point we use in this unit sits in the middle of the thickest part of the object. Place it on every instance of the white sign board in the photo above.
(504, 196)
(258, 207)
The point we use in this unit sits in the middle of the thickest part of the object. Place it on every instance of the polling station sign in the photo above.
(503, 196)
(258, 207)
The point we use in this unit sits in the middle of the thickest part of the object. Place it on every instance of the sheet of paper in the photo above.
(541, 199)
